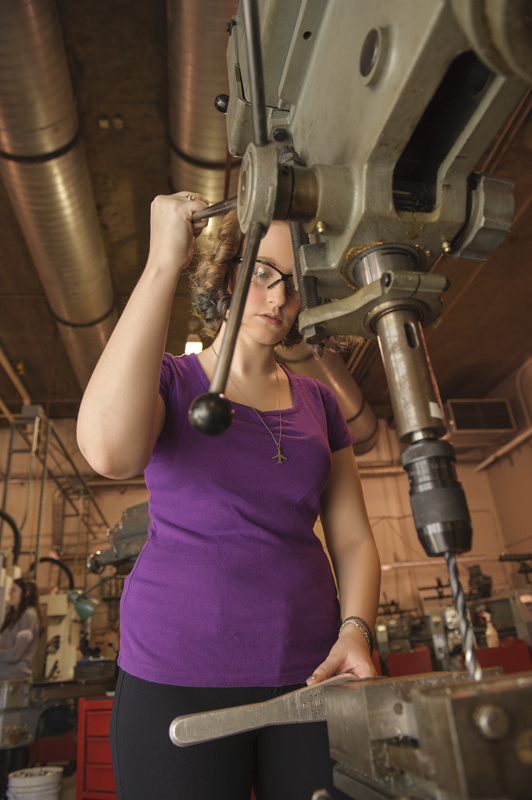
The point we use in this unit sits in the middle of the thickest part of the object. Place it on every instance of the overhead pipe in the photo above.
(197, 74)
(381, 471)
(331, 370)
(14, 378)
(44, 169)
(5, 412)
(517, 380)
(505, 449)
(17, 383)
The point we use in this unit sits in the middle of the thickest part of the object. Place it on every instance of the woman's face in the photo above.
(15, 595)
(270, 313)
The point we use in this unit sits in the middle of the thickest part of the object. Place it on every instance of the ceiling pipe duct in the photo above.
(6, 413)
(197, 72)
(331, 370)
(14, 378)
(43, 167)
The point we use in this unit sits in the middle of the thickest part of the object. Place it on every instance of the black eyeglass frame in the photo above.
(284, 277)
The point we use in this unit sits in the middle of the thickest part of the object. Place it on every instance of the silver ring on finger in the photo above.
(190, 197)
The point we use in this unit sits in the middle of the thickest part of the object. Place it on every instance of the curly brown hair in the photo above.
(210, 282)
(211, 296)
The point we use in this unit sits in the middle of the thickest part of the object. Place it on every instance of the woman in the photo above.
(19, 636)
(232, 600)
(19, 633)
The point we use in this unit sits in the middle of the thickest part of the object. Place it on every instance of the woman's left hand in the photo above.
(350, 653)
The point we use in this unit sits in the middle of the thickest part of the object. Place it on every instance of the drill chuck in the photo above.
(438, 501)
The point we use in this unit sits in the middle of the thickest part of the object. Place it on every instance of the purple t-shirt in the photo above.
(233, 588)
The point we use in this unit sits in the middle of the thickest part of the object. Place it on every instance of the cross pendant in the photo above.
(280, 458)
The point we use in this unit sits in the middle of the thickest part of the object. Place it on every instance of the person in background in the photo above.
(19, 636)
(232, 599)
(19, 633)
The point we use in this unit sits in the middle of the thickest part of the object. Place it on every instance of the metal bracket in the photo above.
(396, 289)
(490, 218)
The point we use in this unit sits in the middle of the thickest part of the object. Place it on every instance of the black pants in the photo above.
(281, 762)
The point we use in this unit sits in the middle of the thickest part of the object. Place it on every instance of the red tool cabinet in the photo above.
(94, 769)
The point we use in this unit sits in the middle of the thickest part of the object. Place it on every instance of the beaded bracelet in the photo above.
(361, 625)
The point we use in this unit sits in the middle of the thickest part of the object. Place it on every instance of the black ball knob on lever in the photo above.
(221, 103)
(210, 413)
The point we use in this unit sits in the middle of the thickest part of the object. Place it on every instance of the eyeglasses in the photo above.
(264, 275)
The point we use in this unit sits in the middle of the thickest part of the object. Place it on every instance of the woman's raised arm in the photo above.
(121, 413)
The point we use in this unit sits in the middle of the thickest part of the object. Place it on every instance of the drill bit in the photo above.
(466, 631)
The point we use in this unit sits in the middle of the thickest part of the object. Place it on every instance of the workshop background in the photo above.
(104, 105)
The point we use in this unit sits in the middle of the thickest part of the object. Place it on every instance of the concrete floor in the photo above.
(68, 788)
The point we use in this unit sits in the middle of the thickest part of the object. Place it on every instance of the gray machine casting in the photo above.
(363, 124)
(366, 133)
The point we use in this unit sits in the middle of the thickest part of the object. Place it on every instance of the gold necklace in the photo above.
(279, 456)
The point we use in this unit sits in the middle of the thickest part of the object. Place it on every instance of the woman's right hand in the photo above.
(172, 229)
(121, 413)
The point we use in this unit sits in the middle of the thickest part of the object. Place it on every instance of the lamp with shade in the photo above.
(84, 605)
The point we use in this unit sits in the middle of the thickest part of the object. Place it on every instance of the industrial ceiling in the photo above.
(143, 77)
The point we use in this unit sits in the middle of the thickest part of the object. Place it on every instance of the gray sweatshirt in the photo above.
(17, 646)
